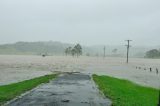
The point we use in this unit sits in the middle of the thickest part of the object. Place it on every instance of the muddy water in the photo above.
(69, 89)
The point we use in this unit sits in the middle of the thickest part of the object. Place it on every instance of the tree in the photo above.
(154, 53)
(78, 50)
(73, 52)
(68, 51)
(115, 51)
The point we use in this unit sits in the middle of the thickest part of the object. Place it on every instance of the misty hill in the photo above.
(121, 50)
(58, 48)
(36, 48)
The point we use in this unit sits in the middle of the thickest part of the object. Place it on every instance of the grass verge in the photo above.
(126, 93)
(8, 92)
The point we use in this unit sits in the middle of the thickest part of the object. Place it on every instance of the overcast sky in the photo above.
(89, 22)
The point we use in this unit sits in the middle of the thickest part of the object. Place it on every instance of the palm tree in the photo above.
(73, 52)
(68, 51)
(78, 49)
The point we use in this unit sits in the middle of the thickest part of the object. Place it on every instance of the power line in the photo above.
(128, 46)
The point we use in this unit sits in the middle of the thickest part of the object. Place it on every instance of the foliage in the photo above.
(154, 53)
(76, 50)
(114, 50)
(126, 93)
(68, 51)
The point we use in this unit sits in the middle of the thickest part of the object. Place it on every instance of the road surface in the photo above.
(69, 89)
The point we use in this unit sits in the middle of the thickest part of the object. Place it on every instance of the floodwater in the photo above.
(15, 68)
(69, 89)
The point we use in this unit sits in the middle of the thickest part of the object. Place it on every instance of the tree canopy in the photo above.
(154, 53)
(75, 51)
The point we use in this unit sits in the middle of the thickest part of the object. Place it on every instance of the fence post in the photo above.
(150, 69)
(157, 70)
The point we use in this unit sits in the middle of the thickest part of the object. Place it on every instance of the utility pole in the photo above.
(128, 46)
(104, 49)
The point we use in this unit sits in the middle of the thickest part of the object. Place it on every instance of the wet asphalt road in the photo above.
(69, 89)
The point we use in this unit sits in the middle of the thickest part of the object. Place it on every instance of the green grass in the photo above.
(8, 92)
(126, 93)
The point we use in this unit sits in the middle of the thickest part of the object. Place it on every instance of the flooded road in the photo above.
(69, 89)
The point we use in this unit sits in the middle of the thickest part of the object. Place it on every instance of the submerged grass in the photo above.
(126, 93)
(8, 92)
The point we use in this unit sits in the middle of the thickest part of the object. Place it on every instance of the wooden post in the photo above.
(157, 70)
(104, 53)
(150, 69)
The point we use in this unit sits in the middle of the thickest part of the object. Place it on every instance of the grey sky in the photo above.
(89, 22)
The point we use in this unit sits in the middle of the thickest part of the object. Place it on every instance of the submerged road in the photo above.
(69, 89)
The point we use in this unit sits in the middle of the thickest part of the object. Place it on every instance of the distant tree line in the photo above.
(75, 51)
(154, 53)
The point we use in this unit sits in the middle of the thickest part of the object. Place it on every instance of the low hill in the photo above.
(35, 48)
